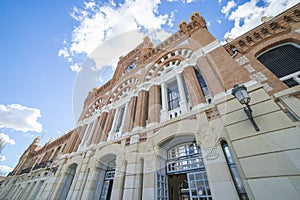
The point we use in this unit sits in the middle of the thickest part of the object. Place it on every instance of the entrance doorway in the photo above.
(186, 186)
(184, 177)
(108, 181)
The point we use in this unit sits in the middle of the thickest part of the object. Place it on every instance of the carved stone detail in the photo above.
(259, 77)
(242, 60)
(249, 68)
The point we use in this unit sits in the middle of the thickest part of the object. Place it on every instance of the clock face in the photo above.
(130, 67)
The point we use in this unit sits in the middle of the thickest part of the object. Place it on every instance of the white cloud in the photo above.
(219, 21)
(219, 1)
(101, 22)
(248, 15)
(98, 22)
(64, 52)
(4, 139)
(226, 9)
(75, 68)
(20, 118)
(182, 1)
(190, 1)
(171, 19)
(4, 170)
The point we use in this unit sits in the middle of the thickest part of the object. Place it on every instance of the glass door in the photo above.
(162, 186)
(198, 186)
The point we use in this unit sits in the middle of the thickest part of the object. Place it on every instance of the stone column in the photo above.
(108, 124)
(164, 103)
(182, 102)
(129, 120)
(141, 109)
(193, 86)
(154, 104)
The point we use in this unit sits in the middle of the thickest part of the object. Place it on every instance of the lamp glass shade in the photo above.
(240, 92)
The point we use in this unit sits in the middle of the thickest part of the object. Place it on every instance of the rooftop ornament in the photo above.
(241, 94)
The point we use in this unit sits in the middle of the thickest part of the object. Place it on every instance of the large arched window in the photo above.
(284, 61)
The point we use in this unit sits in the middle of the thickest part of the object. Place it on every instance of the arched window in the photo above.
(68, 182)
(234, 172)
(130, 67)
(284, 62)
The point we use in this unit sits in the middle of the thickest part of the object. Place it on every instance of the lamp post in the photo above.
(241, 94)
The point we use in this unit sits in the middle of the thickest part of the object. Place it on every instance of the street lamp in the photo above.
(241, 94)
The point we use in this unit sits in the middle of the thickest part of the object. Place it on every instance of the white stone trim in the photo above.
(191, 60)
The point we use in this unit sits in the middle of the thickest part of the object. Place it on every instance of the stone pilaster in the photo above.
(129, 120)
(133, 180)
(154, 104)
(141, 109)
(193, 86)
(164, 103)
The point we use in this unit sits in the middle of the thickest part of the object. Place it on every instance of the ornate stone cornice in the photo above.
(279, 25)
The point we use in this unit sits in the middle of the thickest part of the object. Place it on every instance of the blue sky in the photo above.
(44, 43)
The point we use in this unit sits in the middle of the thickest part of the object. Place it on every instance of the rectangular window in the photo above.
(173, 96)
(120, 119)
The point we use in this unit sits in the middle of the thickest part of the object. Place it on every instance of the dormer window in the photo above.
(130, 67)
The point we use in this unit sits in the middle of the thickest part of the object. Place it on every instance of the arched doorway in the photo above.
(105, 177)
(184, 176)
(108, 180)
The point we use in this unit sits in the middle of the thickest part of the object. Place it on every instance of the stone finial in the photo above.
(198, 20)
(147, 43)
(36, 140)
(183, 26)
